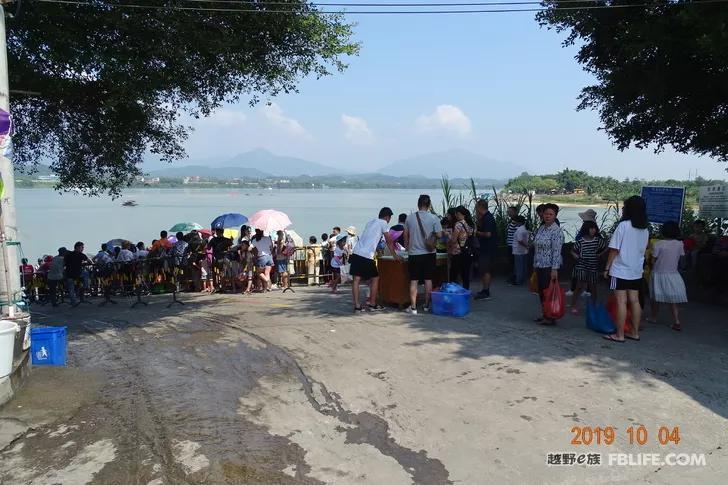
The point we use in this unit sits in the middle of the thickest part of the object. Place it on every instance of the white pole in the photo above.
(10, 283)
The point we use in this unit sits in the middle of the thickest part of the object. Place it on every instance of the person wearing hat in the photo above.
(351, 239)
(587, 215)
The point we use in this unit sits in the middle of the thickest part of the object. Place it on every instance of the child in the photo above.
(586, 251)
(337, 261)
(520, 250)
(247, 266)
(666, 284)
(313, 255)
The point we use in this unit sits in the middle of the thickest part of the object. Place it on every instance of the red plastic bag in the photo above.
(612, 310)
(554, 301)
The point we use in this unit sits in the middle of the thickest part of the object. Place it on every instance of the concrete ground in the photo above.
(294, 388)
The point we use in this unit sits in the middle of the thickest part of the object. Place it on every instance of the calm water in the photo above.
(48, 220)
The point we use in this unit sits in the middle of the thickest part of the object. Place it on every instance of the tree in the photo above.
(661, 70)
(108, 84)
(570, 180)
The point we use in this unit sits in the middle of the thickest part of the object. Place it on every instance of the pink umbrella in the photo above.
(269, 221)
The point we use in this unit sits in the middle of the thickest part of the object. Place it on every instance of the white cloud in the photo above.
(274, 115)
(226, 118)
(356, 130)
(446, 117)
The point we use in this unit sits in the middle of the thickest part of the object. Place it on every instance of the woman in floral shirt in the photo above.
(548, 242)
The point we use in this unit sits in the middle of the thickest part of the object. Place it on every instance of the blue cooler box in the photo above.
(451, 304)
(48, 345)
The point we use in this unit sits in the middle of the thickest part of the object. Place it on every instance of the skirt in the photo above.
(585, 275)
(668, 288)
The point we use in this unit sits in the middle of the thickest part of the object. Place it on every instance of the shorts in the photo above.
(282, 266)
(362, 267)
(336, 271)
(421, 267)
(485, 262)
(205, 271)
(264, 261)
(620, 284)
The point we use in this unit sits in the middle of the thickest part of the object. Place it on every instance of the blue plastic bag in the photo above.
(452, 288)
(598, 319)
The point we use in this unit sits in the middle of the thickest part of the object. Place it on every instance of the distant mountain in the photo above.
(255, 163)
(278, 165)
(210, 172)
(455, 164)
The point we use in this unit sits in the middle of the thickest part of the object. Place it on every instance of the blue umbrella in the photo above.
(227, 221)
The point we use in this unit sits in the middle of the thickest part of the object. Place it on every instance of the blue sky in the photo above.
(494, 84)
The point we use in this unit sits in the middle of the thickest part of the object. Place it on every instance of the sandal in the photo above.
(375, 308)
(612, 338)
(677, 327)
(538, 320)
(631, 337)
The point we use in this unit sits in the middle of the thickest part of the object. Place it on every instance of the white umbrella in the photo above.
(297, 239)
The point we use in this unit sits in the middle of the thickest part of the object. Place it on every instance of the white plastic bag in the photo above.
(345, 276)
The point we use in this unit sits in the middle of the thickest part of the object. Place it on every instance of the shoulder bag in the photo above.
(429, 240)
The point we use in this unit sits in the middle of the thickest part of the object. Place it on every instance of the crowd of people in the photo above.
(256, 262)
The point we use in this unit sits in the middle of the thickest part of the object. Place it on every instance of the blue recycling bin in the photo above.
(48, 345)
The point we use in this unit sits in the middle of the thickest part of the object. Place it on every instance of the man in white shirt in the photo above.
(362, 259)
(141, 252)
(125, 255)
(103, 256)
(421, 230)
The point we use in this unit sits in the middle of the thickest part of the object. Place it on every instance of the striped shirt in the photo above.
(510, 231)
(588, 252)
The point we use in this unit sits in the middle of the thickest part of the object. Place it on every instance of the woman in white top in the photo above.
(666, 284)
(626, 264)
(263, 250)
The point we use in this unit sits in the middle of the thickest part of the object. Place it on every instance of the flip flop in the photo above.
(538, 319)
(611, 337)
(631, 338)
(676, 327)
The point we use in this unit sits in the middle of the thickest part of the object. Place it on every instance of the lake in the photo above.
(48, 219)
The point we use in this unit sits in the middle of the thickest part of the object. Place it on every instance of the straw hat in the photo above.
(351, 230)
(588, 215)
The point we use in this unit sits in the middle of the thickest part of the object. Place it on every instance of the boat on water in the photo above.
(129, 203)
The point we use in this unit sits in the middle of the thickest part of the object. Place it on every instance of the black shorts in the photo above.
(362, 267)
(335, 271)
(620, 284)
(485, 262)
(422, 267)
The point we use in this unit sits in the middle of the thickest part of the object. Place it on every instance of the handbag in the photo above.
(598, 319)
(430, 243)
(612, 310)
(554, 301)
(533, 283)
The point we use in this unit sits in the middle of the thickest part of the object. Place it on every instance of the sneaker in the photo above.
(375, 308)
(569, 293)
(586, 294)
(359, 310)
(483, 295)
(411, 311)
(426, 309)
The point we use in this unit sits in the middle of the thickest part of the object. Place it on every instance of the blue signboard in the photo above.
(664, 204)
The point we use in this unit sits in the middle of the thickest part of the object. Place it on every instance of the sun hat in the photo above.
(351, 230)
(588, 215)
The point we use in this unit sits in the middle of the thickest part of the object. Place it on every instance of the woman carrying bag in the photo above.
(548, 243)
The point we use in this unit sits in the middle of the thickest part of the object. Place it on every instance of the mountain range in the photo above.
(262, 163)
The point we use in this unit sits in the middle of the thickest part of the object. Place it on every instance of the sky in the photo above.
(494, 84)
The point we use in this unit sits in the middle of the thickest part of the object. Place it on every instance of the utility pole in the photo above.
(9, 269)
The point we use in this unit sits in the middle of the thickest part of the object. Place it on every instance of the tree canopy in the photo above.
(661, 70)
(104, 84)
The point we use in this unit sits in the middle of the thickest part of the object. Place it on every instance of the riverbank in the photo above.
(297, 389)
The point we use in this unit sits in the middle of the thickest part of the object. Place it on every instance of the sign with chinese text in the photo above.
(713, 202)
(664, 204)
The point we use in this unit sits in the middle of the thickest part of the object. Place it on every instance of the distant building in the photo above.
(151, 180)
(47, 178)
(579, 191)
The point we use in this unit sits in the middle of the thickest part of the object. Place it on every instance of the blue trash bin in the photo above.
(48, 345)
